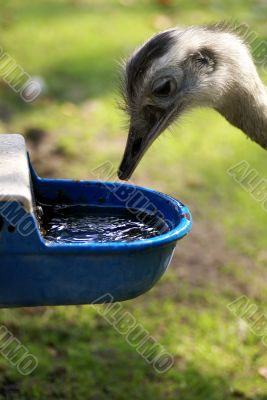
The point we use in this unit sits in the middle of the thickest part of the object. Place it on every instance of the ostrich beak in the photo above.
(138, 142)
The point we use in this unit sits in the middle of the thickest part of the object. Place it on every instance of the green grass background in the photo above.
(75, 46)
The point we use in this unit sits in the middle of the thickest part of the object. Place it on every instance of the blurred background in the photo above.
(73, 47)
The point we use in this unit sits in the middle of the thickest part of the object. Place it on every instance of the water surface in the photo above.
(84, 224)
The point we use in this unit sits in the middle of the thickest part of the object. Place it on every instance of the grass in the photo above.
(75, 47)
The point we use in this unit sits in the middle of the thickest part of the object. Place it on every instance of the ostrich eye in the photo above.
(164, 87)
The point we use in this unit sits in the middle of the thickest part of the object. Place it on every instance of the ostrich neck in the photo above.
(247, 110)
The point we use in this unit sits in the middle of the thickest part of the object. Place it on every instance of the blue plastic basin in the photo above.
(35, 272)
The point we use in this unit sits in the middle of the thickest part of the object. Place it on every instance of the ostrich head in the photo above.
(177, 70)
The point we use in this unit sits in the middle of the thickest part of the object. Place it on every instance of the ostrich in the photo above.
(182, 68)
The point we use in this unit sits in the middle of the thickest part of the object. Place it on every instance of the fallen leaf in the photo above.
(263, 372)
(161, 22)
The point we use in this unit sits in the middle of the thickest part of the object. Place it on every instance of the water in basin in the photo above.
(85, 224)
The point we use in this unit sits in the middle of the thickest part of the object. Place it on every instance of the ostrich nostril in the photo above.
(152, 114)
(136, 146)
